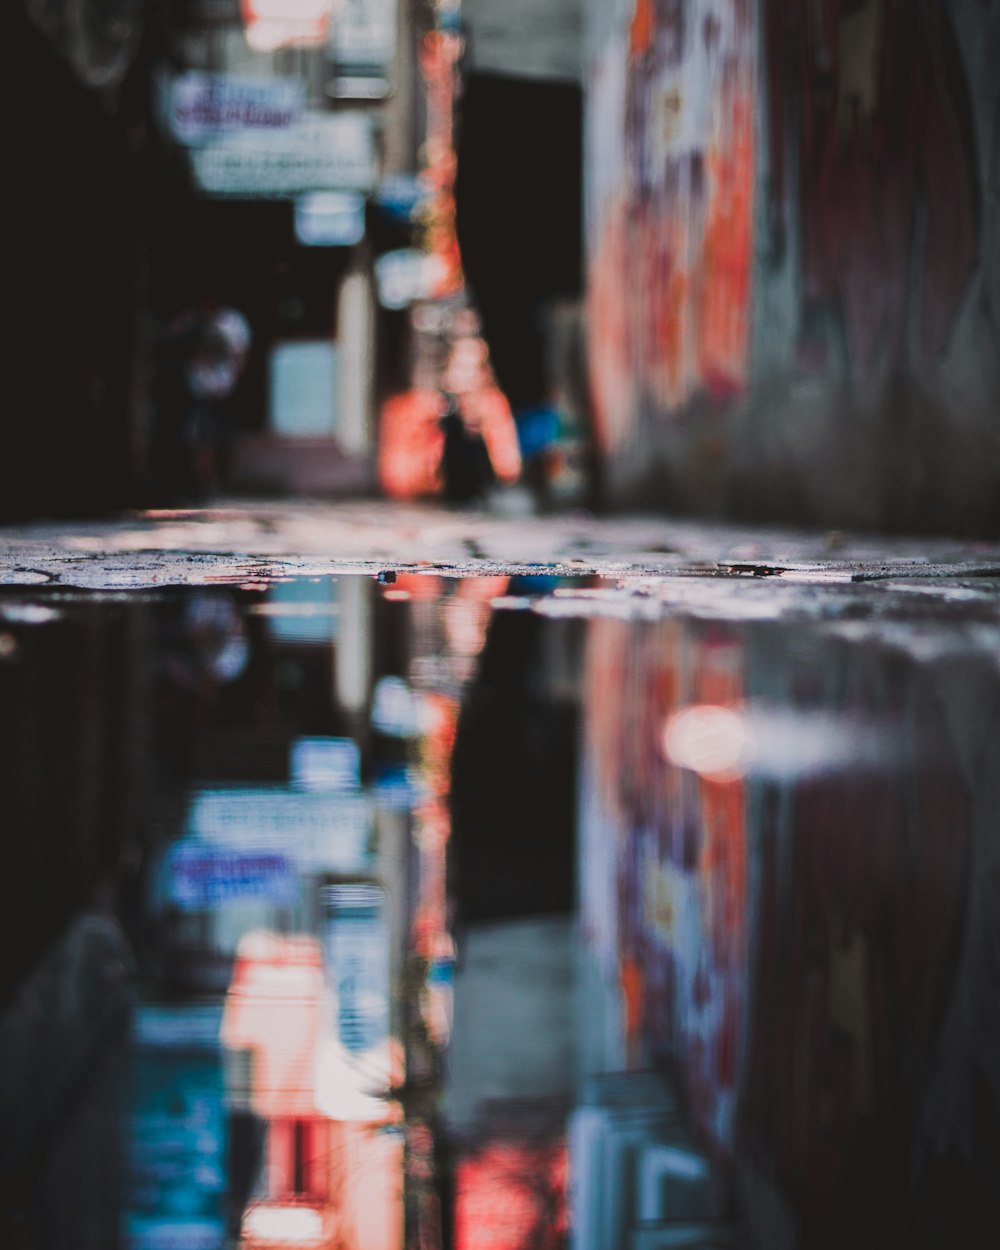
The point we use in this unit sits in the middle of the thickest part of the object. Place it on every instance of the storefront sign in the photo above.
(204, 106)
(202, 876)
(361, 48)
(318, 831)
(178, 1170)
(326, 764)
(320, 153)
(356, 956)
(329, 219)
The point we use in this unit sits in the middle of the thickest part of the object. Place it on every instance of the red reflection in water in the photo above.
(510, 1195)
(330, 1179)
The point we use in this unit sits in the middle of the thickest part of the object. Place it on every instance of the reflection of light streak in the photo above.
(723, 744)
(707, 740)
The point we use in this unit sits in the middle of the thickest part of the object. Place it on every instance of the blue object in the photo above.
(537, 429)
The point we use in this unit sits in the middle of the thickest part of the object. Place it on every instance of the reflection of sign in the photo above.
(177, 1155)
(329, 219)
(357, 961)
(204, 106)
(320, 153)
(186, 1028)
(202, 876)
(326, 764)
(362, 47)
(317, 831)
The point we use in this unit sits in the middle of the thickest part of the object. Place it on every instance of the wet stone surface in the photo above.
(384, 877)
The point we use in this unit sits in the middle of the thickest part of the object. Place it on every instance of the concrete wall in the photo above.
(793, 263)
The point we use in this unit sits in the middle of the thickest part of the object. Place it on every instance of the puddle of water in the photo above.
(496, 912)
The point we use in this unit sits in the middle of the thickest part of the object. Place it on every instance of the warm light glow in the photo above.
(708, 740)
(289, 1226)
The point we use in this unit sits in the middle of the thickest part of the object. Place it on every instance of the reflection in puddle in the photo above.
(361, 913)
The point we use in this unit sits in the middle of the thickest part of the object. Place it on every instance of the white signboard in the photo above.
(204, 106)
(191, 1026)
(362, 48)
(204, 876)
(319, 832)
(322, 152)
(326, 764)
(330, 218)
(356, 956)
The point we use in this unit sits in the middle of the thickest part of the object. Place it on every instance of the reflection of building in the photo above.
(281, 907)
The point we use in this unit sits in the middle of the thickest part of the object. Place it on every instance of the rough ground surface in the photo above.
(636, 567)
(240, 541)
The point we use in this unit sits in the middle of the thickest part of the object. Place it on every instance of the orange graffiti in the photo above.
(641, 27)
(725, 258)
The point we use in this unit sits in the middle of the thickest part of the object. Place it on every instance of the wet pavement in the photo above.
(386, 876)
(240, 540)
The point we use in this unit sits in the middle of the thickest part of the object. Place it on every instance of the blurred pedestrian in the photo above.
(213, 372)
(202, 359)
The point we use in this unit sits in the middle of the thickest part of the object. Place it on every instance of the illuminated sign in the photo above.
(326, 764)
(202, 876)
(362, 48)
(318, 831)
(356, 955)
(329, 219)
(322, 152)
(204, 106)
(177, 1156)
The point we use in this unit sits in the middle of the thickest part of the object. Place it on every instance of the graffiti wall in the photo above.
(792, 258)
(671, 106)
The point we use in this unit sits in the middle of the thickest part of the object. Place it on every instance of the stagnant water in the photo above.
(498, 913)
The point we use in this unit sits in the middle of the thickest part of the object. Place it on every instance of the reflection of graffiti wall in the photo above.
(663, 859)
(808, 942)
(791, 256)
